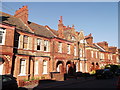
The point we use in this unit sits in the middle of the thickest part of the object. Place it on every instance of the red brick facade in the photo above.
(32, 50)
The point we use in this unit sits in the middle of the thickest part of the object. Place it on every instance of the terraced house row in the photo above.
(32, 50)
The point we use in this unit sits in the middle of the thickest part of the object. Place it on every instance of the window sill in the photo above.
(45, 73)
(38, 50)
(46, 51)
(22, 75)
(2, 44)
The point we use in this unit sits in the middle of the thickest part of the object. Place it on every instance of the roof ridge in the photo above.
(51, 30)
(37, 24)
(7, 14)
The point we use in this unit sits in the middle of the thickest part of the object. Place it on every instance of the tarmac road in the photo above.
(89, 83)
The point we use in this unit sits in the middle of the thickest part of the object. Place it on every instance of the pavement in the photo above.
(58, 83)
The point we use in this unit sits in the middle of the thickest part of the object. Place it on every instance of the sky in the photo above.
(98, 18)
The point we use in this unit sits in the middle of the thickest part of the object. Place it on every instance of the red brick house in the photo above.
(6, 48)
(30, 50)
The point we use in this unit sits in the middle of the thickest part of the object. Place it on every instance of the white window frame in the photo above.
(117, 59)
(1, 68)
(68, 48)
(96, 54)
(36, 67)
(45, 67)
(103, 57)
(92, 54)
(81, 53)
(111, 56)
(46, 45)
(108, 56)
(39, 41)
(22, 67)
(83, 41)
(77, 67)
(59, 47)
(73, 38)
(75, 51)
(81, 67)
(27, 42)
(3, 36)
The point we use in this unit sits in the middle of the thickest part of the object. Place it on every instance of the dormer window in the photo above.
(2, 36)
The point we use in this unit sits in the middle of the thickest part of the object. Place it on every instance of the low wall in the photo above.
(57, 76)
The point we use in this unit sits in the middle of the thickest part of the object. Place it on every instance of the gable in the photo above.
(81, 35)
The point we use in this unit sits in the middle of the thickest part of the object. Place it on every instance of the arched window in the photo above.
(58, 68)
(45, 63)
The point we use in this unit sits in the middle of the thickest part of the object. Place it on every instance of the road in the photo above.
(84, 83)
(103, 83)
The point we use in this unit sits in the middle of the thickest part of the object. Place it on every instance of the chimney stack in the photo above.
(60, 28)
(22, 13)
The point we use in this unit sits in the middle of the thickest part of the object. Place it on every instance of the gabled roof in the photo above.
(30, 27)
(40, 30)
(52, 30)
(81, 35)
(99, 47)
(6, 18)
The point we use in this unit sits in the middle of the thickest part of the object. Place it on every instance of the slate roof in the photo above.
(30, 27)
(40, 30)
(99, 47)
(6, 18)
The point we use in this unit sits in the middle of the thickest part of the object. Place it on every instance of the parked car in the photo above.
(85, 74)
(117, 72)
(103, 74)
(78, 74)
(8, 82)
